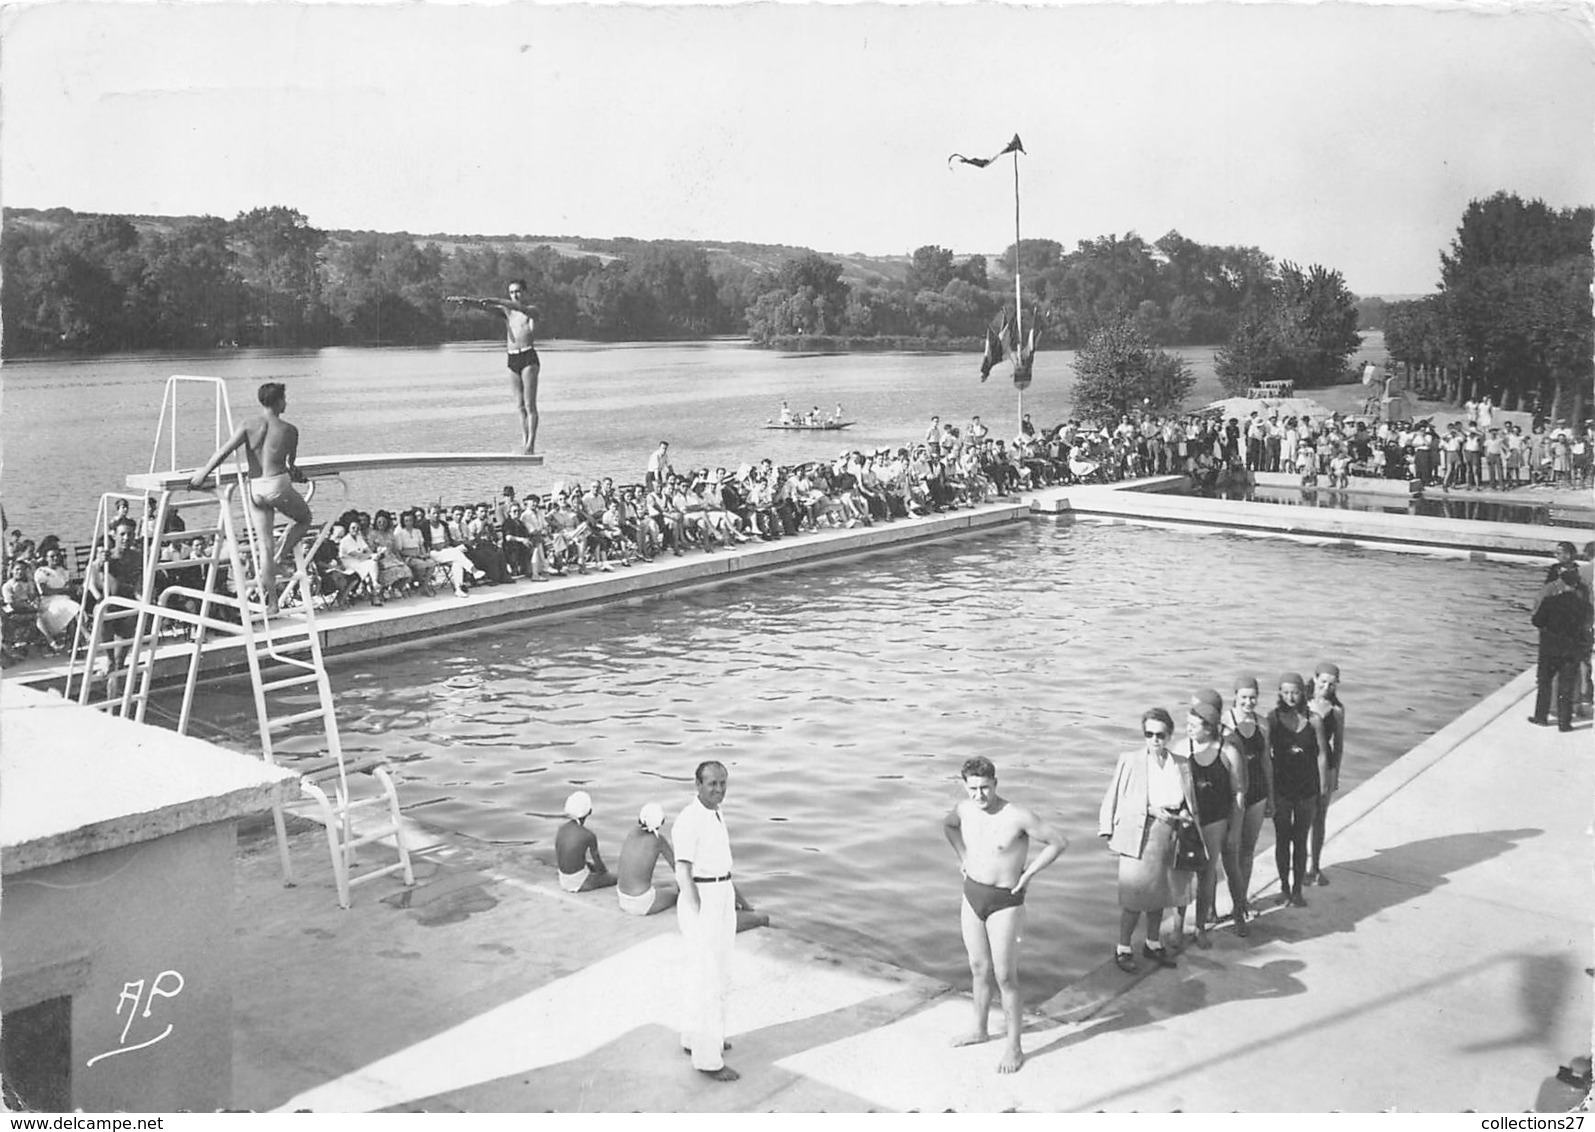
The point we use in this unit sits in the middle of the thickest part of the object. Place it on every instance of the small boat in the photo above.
(827, 426)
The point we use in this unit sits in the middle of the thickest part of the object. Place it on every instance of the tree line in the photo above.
(1511, 320)
(269, 277)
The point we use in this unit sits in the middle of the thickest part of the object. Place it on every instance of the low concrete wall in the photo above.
(399, 622)
(1148, 500)
(1355, 485)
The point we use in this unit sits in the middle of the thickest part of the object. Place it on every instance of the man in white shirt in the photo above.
(707, 914)
(658, 466)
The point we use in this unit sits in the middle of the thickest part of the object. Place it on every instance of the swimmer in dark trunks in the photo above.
(991, 836)
(985, 899)
(520, 326)
(271, 445)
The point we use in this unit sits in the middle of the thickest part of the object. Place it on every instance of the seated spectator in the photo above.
(58, 605)
(442, 547)
(356, 557)
(329, 567)
(482, 543)
(411, 549)
(20, 598)
(393, 572)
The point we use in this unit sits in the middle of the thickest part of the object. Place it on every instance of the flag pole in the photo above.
(1018, 294)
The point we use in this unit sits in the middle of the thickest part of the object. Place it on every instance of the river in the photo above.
(72, 429)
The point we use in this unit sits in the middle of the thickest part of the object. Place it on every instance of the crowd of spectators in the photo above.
(576, 528)
(1473, 453)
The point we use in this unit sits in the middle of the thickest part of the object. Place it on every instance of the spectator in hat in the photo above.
(581, 869)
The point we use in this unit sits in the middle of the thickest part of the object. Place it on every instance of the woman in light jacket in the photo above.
(1151, 795)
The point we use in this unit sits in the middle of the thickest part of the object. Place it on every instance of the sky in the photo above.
(1351, 135)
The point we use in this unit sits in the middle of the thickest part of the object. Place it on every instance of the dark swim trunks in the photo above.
(988, 898)
(520, 359)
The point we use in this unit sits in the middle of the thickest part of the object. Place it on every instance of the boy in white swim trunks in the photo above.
(271, 445)
(643, 847)
(581, 869)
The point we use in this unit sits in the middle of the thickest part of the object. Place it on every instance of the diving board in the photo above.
(314, 467)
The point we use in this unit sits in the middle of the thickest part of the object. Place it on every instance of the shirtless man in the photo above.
(271, 445)
(991, 836)
(520, 325)
(581, 869)
(643, 847)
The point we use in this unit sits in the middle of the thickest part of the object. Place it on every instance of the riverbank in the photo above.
(486, 988)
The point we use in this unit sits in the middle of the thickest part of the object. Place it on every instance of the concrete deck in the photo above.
(1443, 969)
(1143, 501)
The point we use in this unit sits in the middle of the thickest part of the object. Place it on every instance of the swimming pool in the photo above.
(844, 696)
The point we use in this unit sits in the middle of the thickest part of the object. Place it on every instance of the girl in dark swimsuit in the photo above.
(1248, 737)
(1326, 706)
(1297, 751)
(1219, 777)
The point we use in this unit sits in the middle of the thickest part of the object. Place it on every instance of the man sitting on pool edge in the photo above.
(643, 847)
(991, 836)
(581, 869)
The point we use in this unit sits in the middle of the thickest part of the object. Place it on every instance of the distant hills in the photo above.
(856, 267)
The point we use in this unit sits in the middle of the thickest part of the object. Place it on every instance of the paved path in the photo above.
(1442, 969)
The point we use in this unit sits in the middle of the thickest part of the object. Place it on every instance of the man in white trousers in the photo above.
(707, 914)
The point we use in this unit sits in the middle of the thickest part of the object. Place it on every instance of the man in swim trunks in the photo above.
(581, 869)
(643, 847)
(520, 326)
(271, 445)
(991, 836)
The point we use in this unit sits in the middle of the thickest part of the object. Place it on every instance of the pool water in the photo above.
(843, 698)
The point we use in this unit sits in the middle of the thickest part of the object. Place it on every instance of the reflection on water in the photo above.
(844, 697)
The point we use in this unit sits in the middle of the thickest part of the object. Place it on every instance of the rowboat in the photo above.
(828, 426)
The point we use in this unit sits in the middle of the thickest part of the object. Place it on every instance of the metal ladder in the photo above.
(281, 650)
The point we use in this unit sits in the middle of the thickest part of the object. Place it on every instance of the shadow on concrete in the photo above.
(1541, 1002)
(646, 1070)
(1236, 982)
(1414, 869)
(1165, 1073)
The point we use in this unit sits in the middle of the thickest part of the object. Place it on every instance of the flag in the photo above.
(993, 353)
(981, 162)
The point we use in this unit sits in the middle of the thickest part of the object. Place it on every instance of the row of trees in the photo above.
(1512, 318)
(1175, 292)
(269, 277)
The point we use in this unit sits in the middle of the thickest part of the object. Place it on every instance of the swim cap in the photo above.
(1246, 683)
(1210, 697)
(651, 817)
(578, 805)
(1206, 712)
(1292, 678)
(1326, 669)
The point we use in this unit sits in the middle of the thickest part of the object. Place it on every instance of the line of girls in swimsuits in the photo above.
(1231, 769)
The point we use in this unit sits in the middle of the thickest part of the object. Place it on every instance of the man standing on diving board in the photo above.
(520, 324)
(271, 445)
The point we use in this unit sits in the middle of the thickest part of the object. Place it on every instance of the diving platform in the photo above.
(323, 467)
